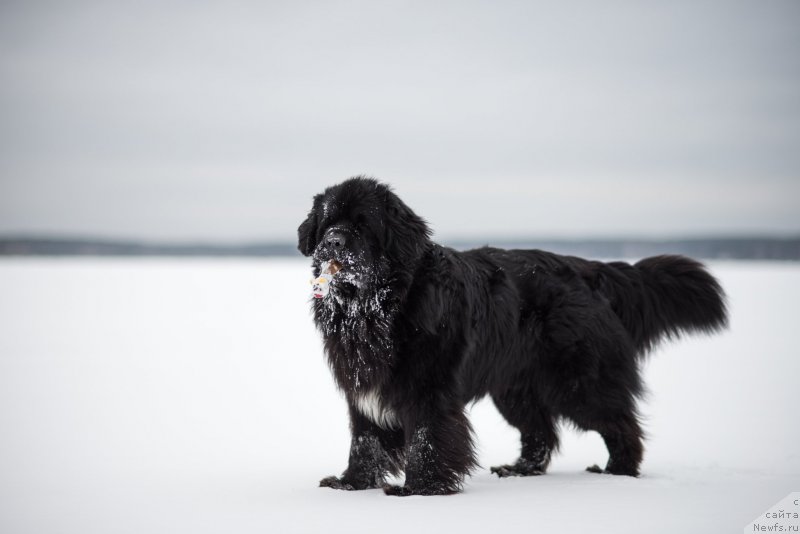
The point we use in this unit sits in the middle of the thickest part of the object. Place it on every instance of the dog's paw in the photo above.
(335, 483)
(521, 468)
(405, 491)
(631, 472)
(397, 491)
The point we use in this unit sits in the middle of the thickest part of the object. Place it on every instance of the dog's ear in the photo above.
(307, 232)
(405, 233)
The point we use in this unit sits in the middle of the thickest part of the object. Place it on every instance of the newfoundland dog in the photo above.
(414, 331)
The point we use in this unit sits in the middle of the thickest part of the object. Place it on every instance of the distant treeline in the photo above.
(99, 247)
(744, 248)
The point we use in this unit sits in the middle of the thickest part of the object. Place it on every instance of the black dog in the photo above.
(414, 331)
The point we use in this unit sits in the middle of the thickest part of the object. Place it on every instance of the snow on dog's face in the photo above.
(364, 229)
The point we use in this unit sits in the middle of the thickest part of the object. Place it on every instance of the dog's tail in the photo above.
(665, 296)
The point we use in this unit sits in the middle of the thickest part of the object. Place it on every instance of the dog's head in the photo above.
(365, 229)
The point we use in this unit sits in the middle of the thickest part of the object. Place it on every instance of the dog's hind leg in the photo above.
(623, 439)
(537, 433)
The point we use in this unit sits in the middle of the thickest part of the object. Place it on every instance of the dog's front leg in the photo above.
(374, 453)
(439, 454)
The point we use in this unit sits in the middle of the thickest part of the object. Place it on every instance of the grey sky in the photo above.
(176, 120)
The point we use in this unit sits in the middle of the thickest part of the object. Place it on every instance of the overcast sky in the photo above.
(187, 120)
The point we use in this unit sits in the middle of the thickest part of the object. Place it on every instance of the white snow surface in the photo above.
(169, 395)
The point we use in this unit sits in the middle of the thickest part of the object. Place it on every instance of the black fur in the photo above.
(414, 331)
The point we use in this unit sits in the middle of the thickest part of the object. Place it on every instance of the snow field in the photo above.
(177, 395)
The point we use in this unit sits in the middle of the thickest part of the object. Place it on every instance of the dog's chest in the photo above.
(360, 325)
(359, 345)
(373, 408)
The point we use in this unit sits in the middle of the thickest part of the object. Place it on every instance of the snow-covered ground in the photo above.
(158, 395)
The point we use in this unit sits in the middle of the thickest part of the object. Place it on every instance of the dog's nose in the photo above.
(335, 239)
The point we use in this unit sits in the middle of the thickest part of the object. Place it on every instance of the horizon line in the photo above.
(261, 241)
